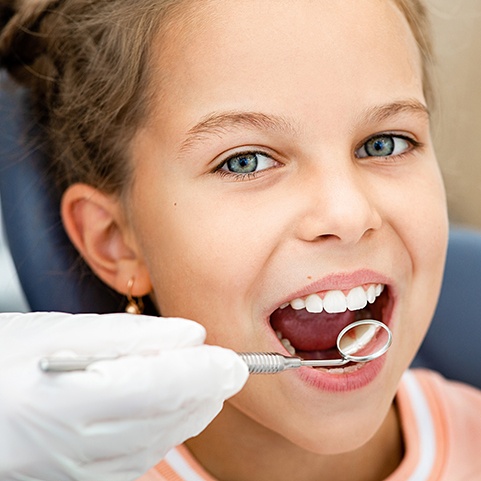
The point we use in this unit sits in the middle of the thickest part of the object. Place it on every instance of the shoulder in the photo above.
(448, 415)
(178, 465)
(456, 399)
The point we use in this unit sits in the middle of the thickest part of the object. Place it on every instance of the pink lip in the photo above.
(349, 381)
(344, 382)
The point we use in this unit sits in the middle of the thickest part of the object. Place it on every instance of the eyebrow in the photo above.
(219, 122)
(380, 113)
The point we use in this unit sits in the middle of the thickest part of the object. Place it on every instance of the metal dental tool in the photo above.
(361, 341)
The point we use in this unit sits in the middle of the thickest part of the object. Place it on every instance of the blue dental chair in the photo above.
(53, 277)
(51, 273)
(452, 344)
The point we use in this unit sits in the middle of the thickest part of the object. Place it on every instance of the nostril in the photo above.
(328, 237)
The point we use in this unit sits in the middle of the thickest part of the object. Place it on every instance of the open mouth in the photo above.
(308, 327)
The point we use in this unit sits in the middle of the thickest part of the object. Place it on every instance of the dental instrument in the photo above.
(361, 341)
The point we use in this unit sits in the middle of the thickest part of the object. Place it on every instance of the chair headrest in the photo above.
(451, 345)
(50, 270)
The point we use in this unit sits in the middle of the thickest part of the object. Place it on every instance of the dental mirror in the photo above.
(360, 341)
(364, 341)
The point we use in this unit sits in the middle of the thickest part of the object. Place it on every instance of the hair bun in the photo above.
(20, 42)
(7, 11)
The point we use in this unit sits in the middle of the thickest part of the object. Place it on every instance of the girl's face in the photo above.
(288, 161)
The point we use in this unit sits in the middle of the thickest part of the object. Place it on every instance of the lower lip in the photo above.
(342, 381)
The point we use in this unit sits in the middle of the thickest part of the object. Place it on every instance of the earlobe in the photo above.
(96, 225)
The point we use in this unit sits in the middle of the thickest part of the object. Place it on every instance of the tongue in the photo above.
(310, 332)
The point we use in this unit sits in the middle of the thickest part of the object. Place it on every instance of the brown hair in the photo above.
(418, 20)
(86, 63)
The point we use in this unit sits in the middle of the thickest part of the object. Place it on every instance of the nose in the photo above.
(339, 203)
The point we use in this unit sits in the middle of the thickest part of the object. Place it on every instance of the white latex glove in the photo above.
(118, 418)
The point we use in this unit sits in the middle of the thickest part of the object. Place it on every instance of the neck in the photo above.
(235, 448)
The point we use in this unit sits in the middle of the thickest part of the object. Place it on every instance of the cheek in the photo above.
(205, 252)
(422, 225)
(415, 208)
(428, 229)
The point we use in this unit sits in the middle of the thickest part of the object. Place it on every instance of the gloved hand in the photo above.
(118, 418)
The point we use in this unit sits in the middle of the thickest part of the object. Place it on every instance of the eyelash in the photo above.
(246, 175)
(414, 144)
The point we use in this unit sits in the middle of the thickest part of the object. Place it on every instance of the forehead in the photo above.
(269, 54)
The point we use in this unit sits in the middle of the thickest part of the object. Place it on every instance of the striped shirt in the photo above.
(441, 423)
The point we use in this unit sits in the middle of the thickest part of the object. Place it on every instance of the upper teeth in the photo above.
(336, 301)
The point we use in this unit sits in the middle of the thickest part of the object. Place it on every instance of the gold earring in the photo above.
(133, 306)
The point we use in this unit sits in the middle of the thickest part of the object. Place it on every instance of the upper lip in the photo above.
(338, 281)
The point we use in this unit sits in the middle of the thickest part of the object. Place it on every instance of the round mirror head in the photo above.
(364, 341)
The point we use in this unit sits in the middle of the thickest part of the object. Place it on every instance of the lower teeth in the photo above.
(340, 370)
(287, 344)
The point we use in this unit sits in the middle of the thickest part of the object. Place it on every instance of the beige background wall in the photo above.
(457, 122)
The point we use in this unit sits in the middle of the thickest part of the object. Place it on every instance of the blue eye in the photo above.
(384, 146)
(247, 163)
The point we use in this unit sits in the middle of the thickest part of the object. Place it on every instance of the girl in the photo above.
(266, 169)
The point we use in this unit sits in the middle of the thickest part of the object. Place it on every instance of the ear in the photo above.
(97, 226)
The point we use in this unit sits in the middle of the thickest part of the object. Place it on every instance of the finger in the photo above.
(45, 334)
(129, 467)
(152, 386)
(143, 442)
